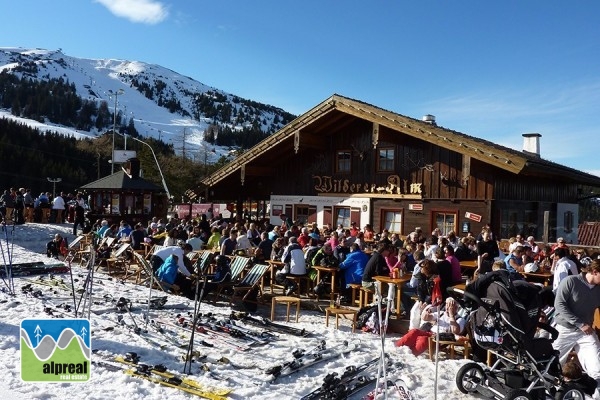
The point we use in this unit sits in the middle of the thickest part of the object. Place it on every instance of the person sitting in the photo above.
(222, 275)
(57, 247)
(376, 266)
(353, 267)
(294, 265)
(172, 276)
(447, 320)
(514, 261)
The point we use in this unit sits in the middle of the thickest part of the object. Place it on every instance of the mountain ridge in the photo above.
(158, 101)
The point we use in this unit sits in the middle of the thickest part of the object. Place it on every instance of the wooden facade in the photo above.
(414, 173)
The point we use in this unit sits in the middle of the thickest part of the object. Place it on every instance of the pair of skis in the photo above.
(268, 324)
(303, 359)
(158, 374)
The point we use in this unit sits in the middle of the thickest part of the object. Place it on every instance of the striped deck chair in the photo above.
(144, 268)
(237, 267)
(252, 280)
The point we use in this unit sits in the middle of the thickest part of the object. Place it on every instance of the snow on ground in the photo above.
(27, 243)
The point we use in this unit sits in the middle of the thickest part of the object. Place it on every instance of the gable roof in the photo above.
(120, 180)
(336, 107)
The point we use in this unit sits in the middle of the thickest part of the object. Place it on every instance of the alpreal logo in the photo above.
(55, 350)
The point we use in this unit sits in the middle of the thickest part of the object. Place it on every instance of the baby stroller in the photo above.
(504, 320)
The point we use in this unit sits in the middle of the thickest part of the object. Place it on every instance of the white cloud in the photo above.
(144, 11)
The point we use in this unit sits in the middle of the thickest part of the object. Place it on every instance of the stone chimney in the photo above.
(531, 143)
(132, 168)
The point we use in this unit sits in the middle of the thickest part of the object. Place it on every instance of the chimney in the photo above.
(132, 168)
(430, 119)
(531, 143)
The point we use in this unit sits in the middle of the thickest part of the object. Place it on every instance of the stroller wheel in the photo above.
(469, 377)
(569, 393)
(518, 394)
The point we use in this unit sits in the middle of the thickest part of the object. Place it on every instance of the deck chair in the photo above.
(119, 258)
(193, 256)
(74, 248)
(144, 268)
(237, 267)
(252, 281)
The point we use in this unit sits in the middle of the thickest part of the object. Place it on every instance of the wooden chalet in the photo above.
(125, 195)
(345, 160)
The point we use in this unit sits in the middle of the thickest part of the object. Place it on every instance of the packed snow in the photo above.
(27, 243)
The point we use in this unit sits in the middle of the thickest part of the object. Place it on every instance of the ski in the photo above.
(333, 381)
(175, 382)
(36, 268)
(231, 338)
(51, 281)
(263, 322)
(303, 360)
(132, 359)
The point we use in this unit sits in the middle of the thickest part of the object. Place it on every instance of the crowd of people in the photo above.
(20, 206)
(434, 262)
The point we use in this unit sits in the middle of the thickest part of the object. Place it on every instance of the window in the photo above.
(343, 161)
(445, 221)
(342, 216)
(392, 221)
(302, 213)
(519, 218)
(385, 161)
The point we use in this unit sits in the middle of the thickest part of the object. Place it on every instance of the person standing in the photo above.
(562, 267)
(487, 251)
(79, 220)
(576, 301)
(58, 208)
(29, 205)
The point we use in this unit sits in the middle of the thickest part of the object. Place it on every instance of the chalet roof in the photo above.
(335, 108)
(120, 180)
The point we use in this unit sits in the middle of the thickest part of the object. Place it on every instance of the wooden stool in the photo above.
(363, 298)
(298, 280)
(287, 300)
(340, 311)
(355, 287)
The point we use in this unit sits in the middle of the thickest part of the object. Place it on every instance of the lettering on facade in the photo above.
(395, 185)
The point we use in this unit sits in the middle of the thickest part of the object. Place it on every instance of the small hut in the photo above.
(125, 195)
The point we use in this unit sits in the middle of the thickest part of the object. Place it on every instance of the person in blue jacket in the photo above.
(353, 267)
(167, 272)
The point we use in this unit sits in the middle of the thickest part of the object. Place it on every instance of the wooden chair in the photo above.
(450, 346)
(74, 248)
(144, 268)
(119, 259)
(251, 281)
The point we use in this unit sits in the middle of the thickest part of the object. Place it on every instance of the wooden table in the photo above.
(545, 277)
(333, 272)
(398, 282)
(468, 265)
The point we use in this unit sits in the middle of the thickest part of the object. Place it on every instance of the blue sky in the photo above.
(494, 70)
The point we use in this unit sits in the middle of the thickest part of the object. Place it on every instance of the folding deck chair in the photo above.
(145, 268)
(252, 280)
(236, 270)
(118, 258)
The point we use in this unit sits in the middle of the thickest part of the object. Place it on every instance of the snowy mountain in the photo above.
(159, 102)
